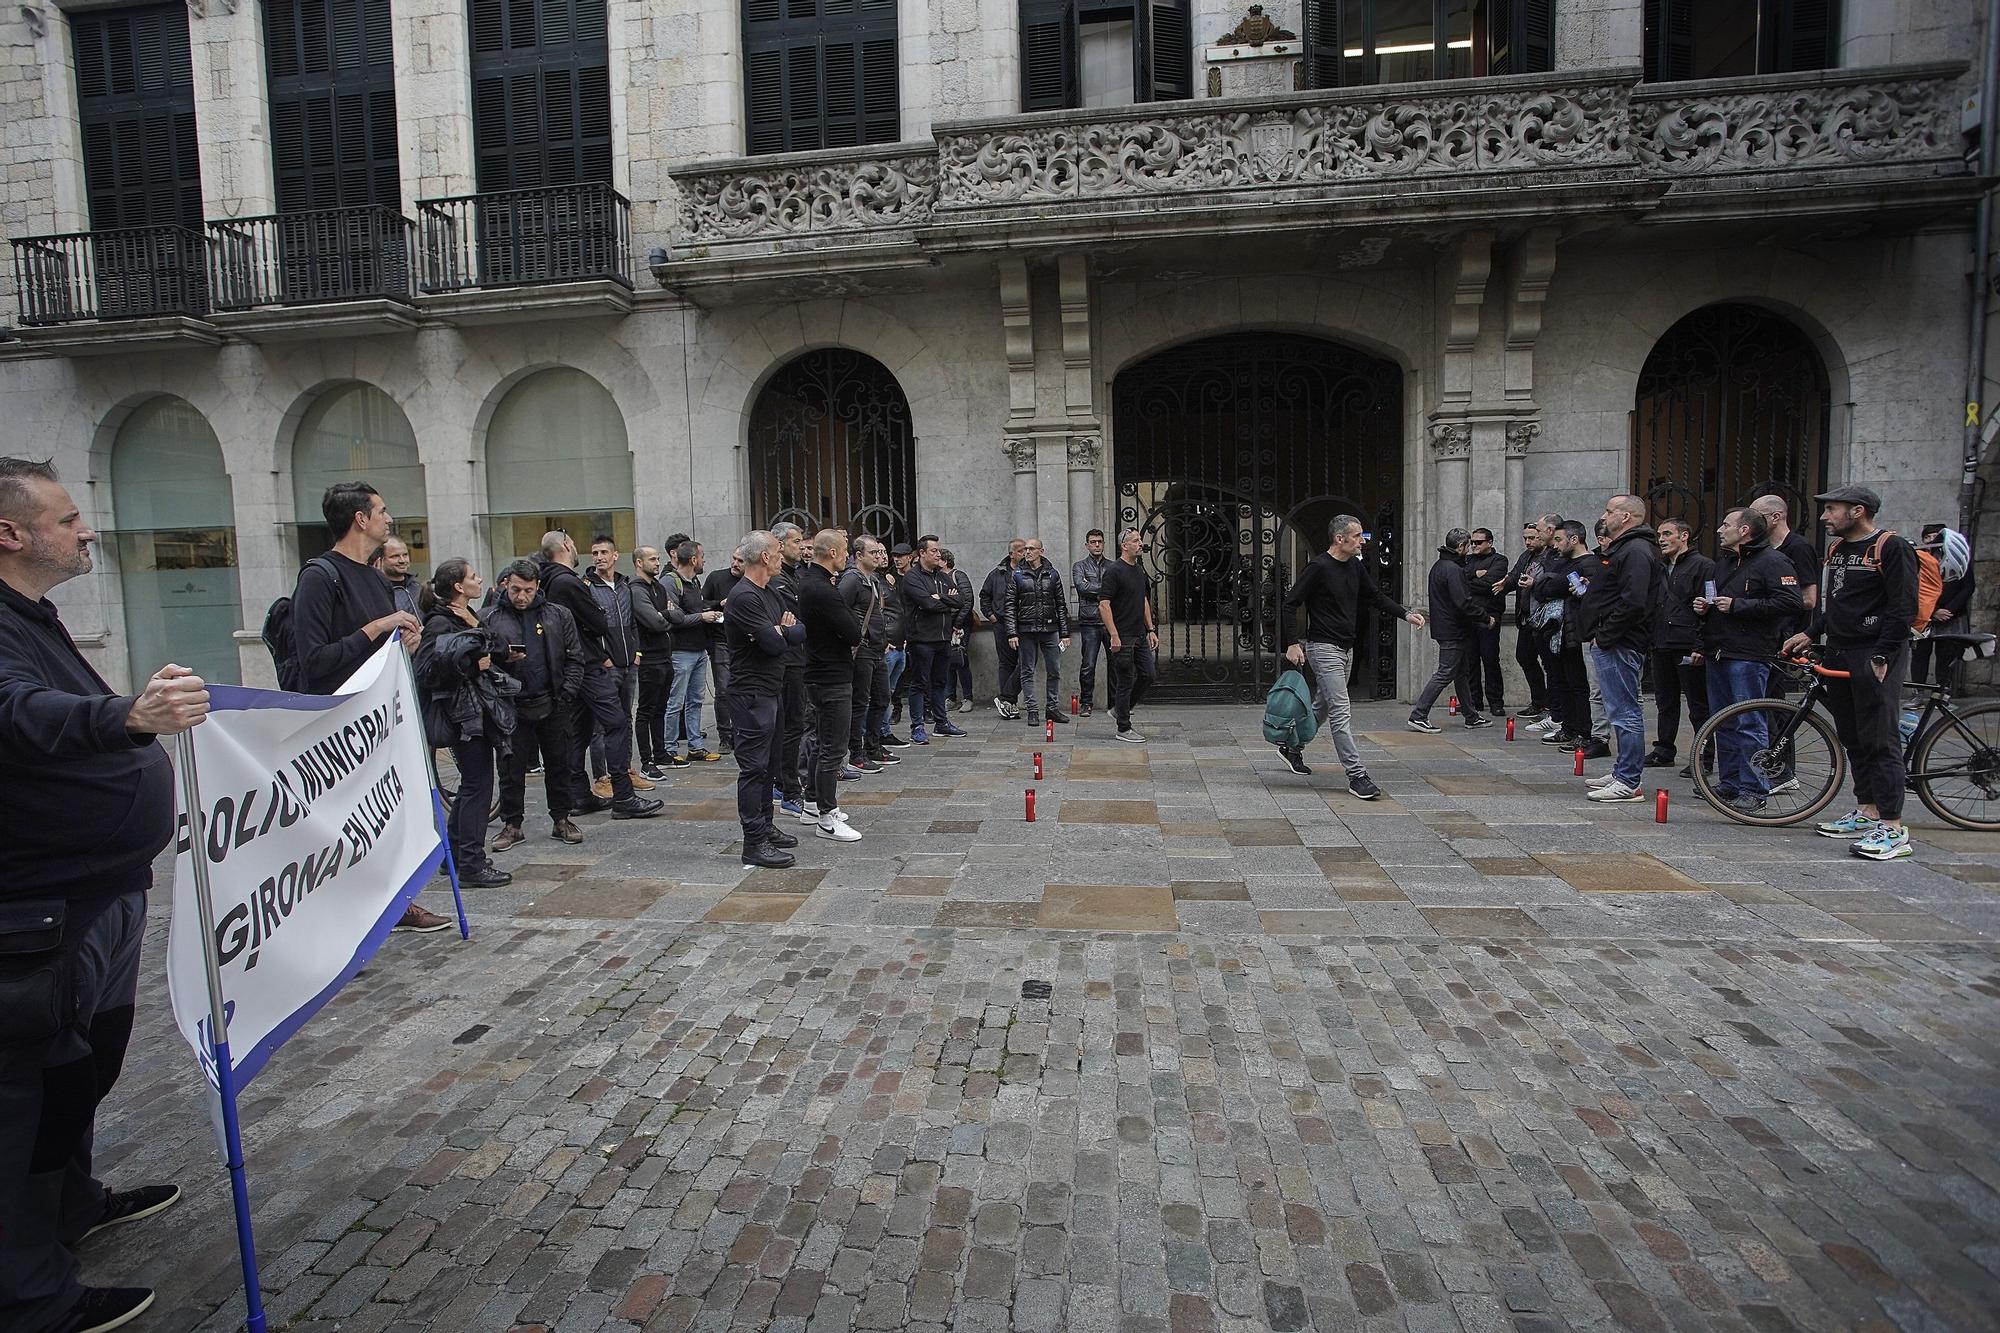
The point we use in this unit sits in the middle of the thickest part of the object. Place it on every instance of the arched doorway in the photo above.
(1231, 454)
(176, 541)
(831, 445)
(1732, 404)
(557, 458)
(356, 432)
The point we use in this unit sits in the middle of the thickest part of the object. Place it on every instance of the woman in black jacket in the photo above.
(452, 665)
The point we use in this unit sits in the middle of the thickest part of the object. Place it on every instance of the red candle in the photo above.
(1031, 805)
(1660, 807)
(1038, 765)
(1579, 761)
(1454, 705)
(1510, 728)
(1049, 728)
(1072, 705)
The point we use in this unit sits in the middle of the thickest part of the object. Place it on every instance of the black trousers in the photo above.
(656, 682)
(1010, 666)
(1673, 683)
(756, 722)
(550, 737)
(1921, 656)
(930, 663)
(958, 674)
(467, 825)
(1569, 687)
(1529, 657)
(718, 690)
(833, 712)
(794, 724)
(600, 704)
(1090, 640)
(1489, 688)
(1133, 667)
(1865, 713)
(868, 705)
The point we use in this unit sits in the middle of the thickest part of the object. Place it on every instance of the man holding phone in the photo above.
(546, 656)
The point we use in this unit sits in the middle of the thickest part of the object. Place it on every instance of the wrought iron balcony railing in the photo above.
(121, 273)
(332, 254)
(516, 238)
(1457, 144)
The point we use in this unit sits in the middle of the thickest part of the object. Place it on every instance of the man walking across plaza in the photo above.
(1527, 653)
(89, 794)
(867, 599)
(832, 635)
(650, 598)
(1125, 615)
(991, 594)
(760, 631)
(687, 612)
(1035, 612)
(1684, 573)
(1757, 598)
(598, 703)
(1486, 576)
(1457, 617)
(1618, 610)
(1087, 577)
(342, 611)
(613, 592)
(546, 656)
(1867, 604)
(1331, 590)
(931, 602)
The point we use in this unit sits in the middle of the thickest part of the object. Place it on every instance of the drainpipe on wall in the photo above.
(1982, 273)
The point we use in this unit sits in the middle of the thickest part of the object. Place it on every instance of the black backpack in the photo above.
(277, 633)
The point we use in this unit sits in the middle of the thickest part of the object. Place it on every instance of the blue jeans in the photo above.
(1090, 641)
(1728, 683)
(684, 702)
(1046, 647)
(1618, 681)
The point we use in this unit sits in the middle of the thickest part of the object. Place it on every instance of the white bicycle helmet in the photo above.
(1954, 554)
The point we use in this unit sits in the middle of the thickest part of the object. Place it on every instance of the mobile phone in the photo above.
(1708, 590)
(517, 648)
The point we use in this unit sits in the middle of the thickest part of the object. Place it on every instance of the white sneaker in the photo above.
(1131, 737)
(809, 813)
(837, 813)
(836, 831)
(1617, 791)
(1602, 780)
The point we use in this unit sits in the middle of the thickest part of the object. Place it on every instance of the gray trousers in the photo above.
(48, 1102)
(1332, 709)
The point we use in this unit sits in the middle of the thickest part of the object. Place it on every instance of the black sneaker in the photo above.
(636, 807)
(1658, 758)
(1057, 716)
(894, 742)
(1363, 788)
(1531, 715)
(1295, 760)
(1561, 740)
(1479, 722)
(653, 772)
(596, 805)
(865, 764)
(121, 1206)
(1423, 724)
(102, 1308)
(1596, 749)
(885, 758)
(487, 877)
(777, 837)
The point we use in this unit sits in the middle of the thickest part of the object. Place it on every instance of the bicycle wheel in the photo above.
(1802, 773)
(1957, 772)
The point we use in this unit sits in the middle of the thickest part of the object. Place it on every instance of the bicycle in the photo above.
(1951, 758)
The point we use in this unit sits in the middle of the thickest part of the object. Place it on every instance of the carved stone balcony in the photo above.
(1462, 152)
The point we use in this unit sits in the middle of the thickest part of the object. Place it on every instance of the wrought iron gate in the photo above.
(1732, 404)
(1231, 454)
(831, 445)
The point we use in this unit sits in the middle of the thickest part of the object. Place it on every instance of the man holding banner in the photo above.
(90, 798)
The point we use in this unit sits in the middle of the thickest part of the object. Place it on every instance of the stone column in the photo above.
(1021, 452)
(433, 50)
(1085, 451)
(1520, 436)
(1451, 454)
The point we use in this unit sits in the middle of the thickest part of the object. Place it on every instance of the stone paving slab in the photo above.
(1393, 1071)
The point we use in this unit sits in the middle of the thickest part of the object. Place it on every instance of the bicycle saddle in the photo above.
(1981, 645)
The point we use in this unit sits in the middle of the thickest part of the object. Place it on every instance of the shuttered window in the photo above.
(1352, 43)
(541, 93)
(1711, 39)
(1162, 49)
(820, 74)
(135, 106)
(333, 104)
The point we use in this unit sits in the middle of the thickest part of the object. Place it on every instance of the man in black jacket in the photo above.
(89, 796)
(931, 602)
(760, 631)
(1087, 577)
(715, 590)
(795, 715)
(598, 703)
(1457, 616)
(832, 635)
(991, 594)
(613, 591)
(1677, 633)
(650, 598)
(1035, 614)
(1486, 577)
(546, 656)
(1757, 598)
(1527, 655)
(687, 612)
(1564, 579)
(867, 599)
(1617, 613)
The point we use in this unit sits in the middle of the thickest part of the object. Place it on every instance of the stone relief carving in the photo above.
(1451, 439)
(802, 200)
(1832, 127)
(1255, 30)
(1521, 434)
(1020, 450)
(1084, 451)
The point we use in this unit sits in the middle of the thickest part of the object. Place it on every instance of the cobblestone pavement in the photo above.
(1208, 1046)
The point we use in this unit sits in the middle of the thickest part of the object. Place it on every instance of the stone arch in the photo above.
(589, 485)
(830, 442)
(383, 452)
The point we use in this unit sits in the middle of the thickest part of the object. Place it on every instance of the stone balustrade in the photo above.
(1305, 149)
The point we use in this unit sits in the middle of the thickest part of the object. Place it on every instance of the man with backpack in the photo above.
(1868, 604)
(1331, 589)
(341, 611)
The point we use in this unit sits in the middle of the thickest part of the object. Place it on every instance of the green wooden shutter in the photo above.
(1048, 55)
(820, 74)
(541, 93)
(1169, 52)
(135, 109)
(1669, 40)
(332, 85)
(1805, 31)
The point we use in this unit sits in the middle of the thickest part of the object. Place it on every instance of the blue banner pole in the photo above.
(438, 811)
(218, 1031)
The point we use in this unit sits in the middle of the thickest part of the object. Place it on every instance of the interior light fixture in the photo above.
(1413, 48)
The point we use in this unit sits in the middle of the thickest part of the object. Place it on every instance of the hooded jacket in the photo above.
(564, 587)
(1554, 585)
(1456, 612)
(89, 804)
(1618, 609)
(992, 591)
(1765, 602)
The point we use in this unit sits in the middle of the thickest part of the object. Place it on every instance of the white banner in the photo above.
(321, 827)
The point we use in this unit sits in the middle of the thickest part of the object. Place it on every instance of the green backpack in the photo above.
(1288, 712)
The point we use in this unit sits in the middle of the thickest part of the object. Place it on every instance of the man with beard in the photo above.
(832, 635)
(1486, 577)
(1676, 634)
(1457, 616)
(1618, 608)
(547, 658)
(1558, 597)
(1757, 596)
(795, 706)
(1087, 577)
(403, 585)
(991, 593)
(867, 598)
(715, 589)
(1526, 655)
(761, 630)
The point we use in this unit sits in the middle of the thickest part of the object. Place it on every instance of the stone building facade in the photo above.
(1222, 319)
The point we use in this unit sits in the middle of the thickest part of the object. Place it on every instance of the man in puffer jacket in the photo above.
(1035, 614)
(1457, 615)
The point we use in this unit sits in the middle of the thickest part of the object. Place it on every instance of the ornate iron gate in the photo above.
(831, 445)
(1231, 454)
(1732, 404)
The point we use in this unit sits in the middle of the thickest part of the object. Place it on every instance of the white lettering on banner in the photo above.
(317, 829)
